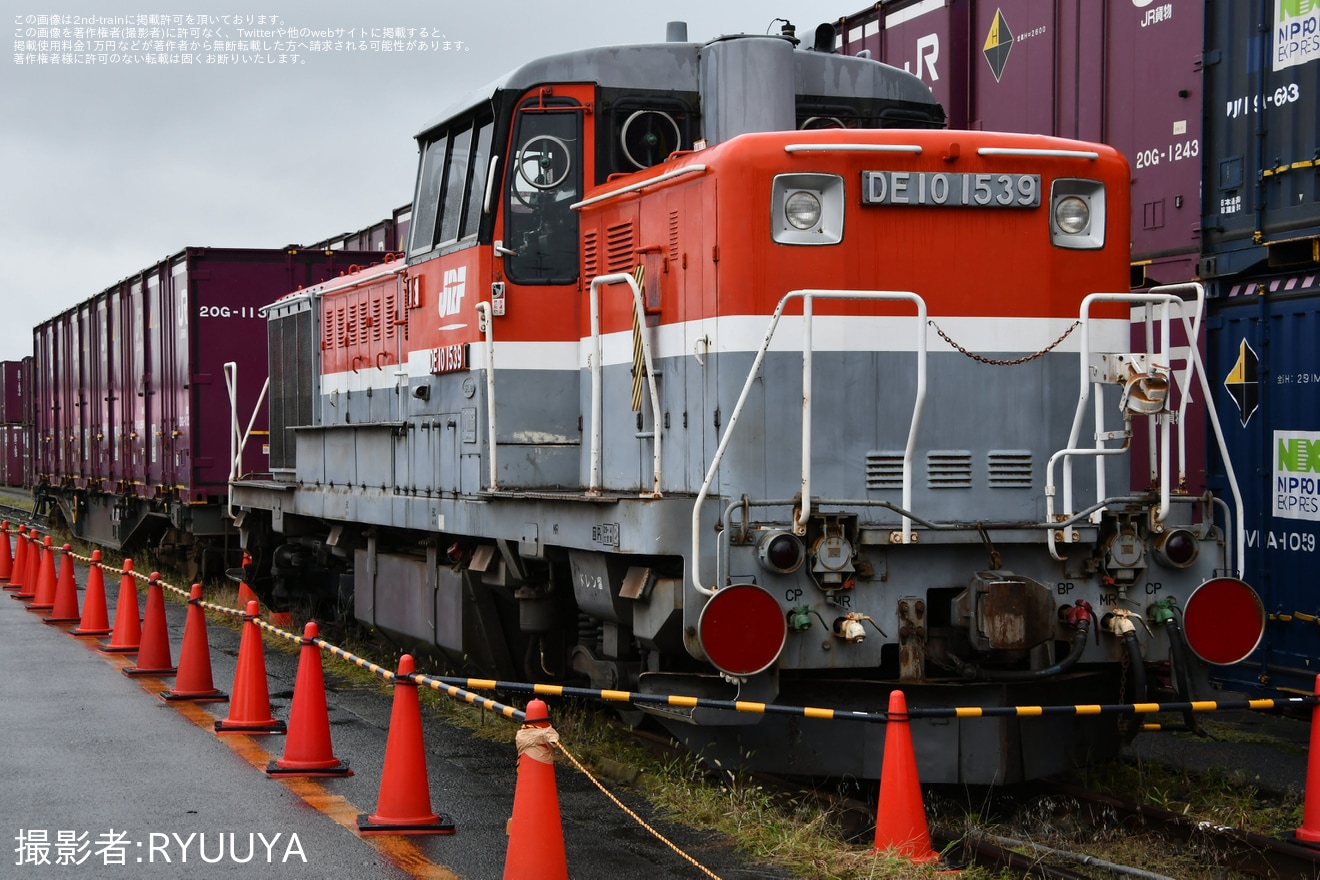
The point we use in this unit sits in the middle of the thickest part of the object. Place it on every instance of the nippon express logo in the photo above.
(1297, 475)
(1296, 32)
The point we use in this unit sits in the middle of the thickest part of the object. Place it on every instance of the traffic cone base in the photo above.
(162, 672)
(273, 726)
(439, 823)
(339, 768)
(172, 697)
(60, 621)
(79, 633)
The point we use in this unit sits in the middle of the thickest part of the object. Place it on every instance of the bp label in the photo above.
(1297, 475)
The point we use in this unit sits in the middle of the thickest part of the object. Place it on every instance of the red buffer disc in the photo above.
(742, 629)
(1224, 621)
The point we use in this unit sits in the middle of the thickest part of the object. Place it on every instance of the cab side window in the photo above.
(543, 179)
(451, 185)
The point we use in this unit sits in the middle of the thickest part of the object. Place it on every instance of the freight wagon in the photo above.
(143, 393)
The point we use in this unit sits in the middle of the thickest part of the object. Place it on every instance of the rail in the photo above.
(807, 296)
(1169, 298)
(597, 395)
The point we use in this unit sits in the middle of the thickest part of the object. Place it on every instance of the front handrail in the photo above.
(597, 404)
(1169, 297)
(807, 295)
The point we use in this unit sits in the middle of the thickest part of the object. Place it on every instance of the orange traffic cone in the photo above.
(900, 817)
(246, 594)
(6, 558)
(95, 617)
(44, 600)
(66, 593)
(128, 626)
(20, 563)
(536, 832)
(193, 683)
(154, 650)
(249, 704)
(307, 751)
(1309, 832)
(31, 567)
(404, 803)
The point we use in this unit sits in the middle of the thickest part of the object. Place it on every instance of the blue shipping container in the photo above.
(1264, 364)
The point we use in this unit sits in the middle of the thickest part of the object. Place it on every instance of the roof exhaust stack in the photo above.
(824, 41)
(676, 32)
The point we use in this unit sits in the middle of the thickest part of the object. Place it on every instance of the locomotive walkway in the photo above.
(99, 774)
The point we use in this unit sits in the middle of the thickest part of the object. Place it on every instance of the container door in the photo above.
(103, 427)
(1153, 114)
(138, 383)
(1266, 371)
(153, 382)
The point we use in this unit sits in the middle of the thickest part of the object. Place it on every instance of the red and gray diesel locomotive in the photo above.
(725, 370)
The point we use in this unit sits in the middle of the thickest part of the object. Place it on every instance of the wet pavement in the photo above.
(100, 778)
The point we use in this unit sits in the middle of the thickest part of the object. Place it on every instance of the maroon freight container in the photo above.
(43, 401)
(13, 392)
(14, 454)
(1126, 74)
(133, 411)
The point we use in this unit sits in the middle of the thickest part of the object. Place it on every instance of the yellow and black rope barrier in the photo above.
(463, 688)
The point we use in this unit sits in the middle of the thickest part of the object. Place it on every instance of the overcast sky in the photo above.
(109, 168)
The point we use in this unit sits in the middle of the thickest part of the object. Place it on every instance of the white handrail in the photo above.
(597, 404)
(486, 326)
(640, 185)
(238, 440)
(806, 296)
(1168, 296)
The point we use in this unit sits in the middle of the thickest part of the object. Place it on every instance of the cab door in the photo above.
(536, 265)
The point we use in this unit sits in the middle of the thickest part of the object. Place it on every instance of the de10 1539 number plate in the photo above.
(950, 190)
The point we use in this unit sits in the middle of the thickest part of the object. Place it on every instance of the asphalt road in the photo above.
(101, 779)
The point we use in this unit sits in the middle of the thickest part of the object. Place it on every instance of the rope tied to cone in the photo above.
(537, 743)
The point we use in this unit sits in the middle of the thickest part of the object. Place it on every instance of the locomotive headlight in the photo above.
(806, 208)
(1176, 548)
(1072, 215)
(1077, 213)
(802, 210)
(781, 552)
